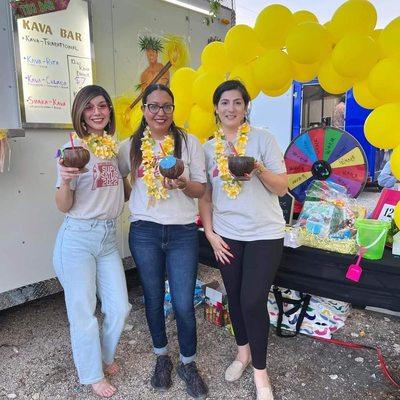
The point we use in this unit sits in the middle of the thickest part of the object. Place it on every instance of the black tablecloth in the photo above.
(322, 273)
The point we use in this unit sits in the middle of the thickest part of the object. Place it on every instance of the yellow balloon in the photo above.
(215, 59)
(364, 97)
(201, 123)
(272, 26)
(308, 43)
(203, 89)
(376, 34)
(273, 70)
(182, 82)
(396, 215)
(395, 168)
(331, 81)
(353, 16)
(389, 39)
(327, 26)
(122, 114)
(355, 55)
(382, 128)
(135, 117)
(181, 113)
(305, 72)
(241, 44)
(244, 73)
(278, 92)
(304, 16)
(384, 80)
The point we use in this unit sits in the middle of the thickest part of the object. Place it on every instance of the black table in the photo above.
(322, 273)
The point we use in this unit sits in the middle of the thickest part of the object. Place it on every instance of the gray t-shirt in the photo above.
(99, 193)
(255, 214)
(178, 209)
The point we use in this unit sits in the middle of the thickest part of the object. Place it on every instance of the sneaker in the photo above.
(161, 379)
(195, 385)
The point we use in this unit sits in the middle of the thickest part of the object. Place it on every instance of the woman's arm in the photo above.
(205, 209)
(191, 188)
(64, 194)
(127, 188)
(220, 247)
(276, 183)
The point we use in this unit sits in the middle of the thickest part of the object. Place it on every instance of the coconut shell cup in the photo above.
(171, 167)
(76, 157)
(239, 166)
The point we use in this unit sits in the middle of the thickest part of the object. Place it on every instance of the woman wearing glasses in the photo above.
(163, 236)
(86, 257)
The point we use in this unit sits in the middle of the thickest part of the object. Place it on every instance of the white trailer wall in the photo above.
(29, 219)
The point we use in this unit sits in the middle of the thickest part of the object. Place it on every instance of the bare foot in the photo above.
(111, 369)
(103, 388)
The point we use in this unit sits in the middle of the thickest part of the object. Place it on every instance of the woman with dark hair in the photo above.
(244, 225)
(163, 234)
(86, 257)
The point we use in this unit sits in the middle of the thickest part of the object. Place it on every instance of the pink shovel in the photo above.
(354, 271)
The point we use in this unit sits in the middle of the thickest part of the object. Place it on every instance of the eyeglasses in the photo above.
(155, 108)
(101, 107)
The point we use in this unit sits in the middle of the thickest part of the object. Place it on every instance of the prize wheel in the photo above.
(327, 154)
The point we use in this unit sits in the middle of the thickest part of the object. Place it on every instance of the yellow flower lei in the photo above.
(104, 147)
(231, 186)
(151, 178)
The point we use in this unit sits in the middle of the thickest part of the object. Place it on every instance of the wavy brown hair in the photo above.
(81, 100)
(136, 139)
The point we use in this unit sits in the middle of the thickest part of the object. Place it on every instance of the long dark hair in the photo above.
(136, 139)
(82, 99)
(232, 84)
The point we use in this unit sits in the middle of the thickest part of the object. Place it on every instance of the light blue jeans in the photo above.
(87, 261)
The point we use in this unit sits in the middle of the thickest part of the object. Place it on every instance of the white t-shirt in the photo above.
(178, 209)
(255, 214)
(99, 193)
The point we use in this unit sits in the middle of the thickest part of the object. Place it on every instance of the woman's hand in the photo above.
(179, 183)
(68, 173)
(221, 249)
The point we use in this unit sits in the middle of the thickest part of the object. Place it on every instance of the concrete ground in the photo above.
(36, 362)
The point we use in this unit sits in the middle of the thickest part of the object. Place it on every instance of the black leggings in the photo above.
(247, 281)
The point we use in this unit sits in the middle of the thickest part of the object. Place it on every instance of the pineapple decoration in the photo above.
(174, 56)
(153, 47)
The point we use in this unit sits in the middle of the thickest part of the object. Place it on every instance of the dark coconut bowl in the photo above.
(171, 167)
(240, 166)
(76, 157)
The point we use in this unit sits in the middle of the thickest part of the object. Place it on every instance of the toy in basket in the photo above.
(328, 217)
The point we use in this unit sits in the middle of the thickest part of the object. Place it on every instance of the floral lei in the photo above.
(151, 178)
(231, 186)
(104, 147)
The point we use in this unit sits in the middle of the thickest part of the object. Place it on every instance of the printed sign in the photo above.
(55, 62)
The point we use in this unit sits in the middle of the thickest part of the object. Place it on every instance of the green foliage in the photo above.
(215, 7)
(150, 42)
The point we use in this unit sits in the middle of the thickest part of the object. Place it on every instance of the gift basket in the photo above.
(327, 220)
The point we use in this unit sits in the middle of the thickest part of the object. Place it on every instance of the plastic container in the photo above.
(371, 234)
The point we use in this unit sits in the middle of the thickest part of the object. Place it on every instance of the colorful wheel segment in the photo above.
(325, 154)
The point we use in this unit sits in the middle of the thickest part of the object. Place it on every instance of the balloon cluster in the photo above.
(346, 52)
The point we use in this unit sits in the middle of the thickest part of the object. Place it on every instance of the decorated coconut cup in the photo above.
(76, 157)
(239, 166)
(171, 167)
